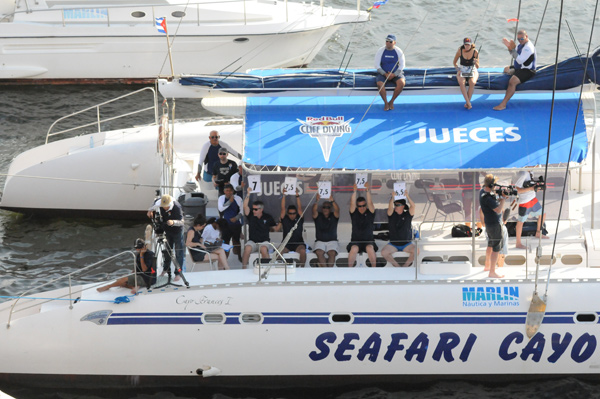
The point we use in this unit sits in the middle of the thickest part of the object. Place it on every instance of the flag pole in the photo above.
(169, 48)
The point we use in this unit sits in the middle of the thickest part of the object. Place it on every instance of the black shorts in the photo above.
(362, 246)
(523, 74)
(293, 246)
(494, 234)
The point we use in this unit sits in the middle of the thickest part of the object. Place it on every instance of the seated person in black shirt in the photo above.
(259, 226)
(400, 215)
(223, 170)
(362, 214)
(326, 223)
(145, 270)
(293, 218)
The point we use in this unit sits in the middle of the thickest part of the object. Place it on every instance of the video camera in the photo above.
(538, 184)
(157, 222)
(505, 190)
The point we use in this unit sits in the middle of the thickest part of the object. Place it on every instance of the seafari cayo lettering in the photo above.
(449, 347)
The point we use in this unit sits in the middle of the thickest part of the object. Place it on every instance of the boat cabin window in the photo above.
(341, 318)
(138, 14)
(251, 318)
(213, 318)
(178, 14)
(586, 318)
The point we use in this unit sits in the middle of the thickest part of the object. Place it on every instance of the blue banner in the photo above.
(423, 132)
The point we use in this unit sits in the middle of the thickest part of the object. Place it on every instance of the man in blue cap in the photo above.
(389, 62)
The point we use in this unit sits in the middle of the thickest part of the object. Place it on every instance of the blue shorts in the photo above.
(400, 247)
(525, 213)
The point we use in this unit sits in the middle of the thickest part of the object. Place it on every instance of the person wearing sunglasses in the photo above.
(523, 67)
(400, 215)
(326, 223)
(290, 218)
(362, 215)
(209, 155)
(260, 224)
(223, 170)
(389, 63)
(467, 70)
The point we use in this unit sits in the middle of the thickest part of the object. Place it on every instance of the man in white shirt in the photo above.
(528, 205)
(523, 67)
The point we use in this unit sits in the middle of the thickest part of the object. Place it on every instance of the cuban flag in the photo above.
(161, 25)
(377, 4)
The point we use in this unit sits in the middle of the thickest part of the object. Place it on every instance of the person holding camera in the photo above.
(170, 216)
(492, 206)
(529, 206)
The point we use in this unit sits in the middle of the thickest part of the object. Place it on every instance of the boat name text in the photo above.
(450, 347)
(203, 300)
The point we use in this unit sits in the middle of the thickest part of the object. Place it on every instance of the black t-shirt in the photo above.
(287, 224)
(224, 171)
(362, 226)
(489, 202)
(149, 275)
(400, 228)
(176, 213)
(326, 227)
(259, 227)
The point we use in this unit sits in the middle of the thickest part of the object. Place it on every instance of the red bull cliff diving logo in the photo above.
(325, 129)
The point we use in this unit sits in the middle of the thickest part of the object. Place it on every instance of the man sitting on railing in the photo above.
(145, 270)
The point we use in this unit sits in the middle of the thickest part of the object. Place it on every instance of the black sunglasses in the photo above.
(214, 137)
(362, 206)
(256, 209)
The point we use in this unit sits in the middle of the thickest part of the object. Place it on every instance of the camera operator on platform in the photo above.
(528, 205)
(171, 222)
(492, 207)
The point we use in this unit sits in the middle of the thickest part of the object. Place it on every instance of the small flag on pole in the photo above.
(513, 20)
(377, 4)
(161, 25)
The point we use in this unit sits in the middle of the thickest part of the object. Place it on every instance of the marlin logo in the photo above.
(490, 296)
(325, 129)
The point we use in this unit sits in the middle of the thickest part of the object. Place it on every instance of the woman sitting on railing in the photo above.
(206, 237)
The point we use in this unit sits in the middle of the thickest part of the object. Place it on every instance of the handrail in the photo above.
(67, 276)
(99, 120)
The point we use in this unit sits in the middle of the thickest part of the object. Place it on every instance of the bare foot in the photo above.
(466, 106)
(134, 291)
(486, 269)
(544, 237)
(177, 278)
(470, 106)
(495, 275)
(391, 105)
(387, 107)
(520, 246)
(102, 289)
(500, 107)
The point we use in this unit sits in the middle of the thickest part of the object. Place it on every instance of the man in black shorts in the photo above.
(523, 67)
(260, 224)
(362, 215)
(492, 207)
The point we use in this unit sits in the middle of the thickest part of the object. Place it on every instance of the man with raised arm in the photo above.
(523, 67)
(362, 215)
(326, 223)
(400, 215)
(289, 219)
(389, 63)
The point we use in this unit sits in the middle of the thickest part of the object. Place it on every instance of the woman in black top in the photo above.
(467, 70)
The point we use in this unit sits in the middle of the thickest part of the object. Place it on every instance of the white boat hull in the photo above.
(395, 330)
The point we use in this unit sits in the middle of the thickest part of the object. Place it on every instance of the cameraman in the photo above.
(528, 205)
(171, 219)
(492, 207)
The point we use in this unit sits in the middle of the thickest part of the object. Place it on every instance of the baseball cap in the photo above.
(223, 151)
(467, 40)
(139, 243)
(166, 200)
(391, 37)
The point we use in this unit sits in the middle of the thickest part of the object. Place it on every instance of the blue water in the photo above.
(33, 250)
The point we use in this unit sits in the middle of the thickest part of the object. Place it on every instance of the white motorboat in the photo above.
(105, 40)
(281, 325)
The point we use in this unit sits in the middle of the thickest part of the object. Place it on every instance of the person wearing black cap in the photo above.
(467, 70)
(400, 215)
(223, 170)
(145, 270)
(389, 63)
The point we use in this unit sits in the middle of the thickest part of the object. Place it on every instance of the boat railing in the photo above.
(39, 301)
(99, 120)
(179, 12)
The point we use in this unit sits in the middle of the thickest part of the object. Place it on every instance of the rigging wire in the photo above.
(541, 22)
(539, 248)
(570, 149)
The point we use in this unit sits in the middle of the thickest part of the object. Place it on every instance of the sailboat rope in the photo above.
(570, 151)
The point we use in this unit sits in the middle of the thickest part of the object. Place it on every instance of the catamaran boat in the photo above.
(281, 324)
(107, 40)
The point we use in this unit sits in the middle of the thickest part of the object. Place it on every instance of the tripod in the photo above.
(163, 246)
